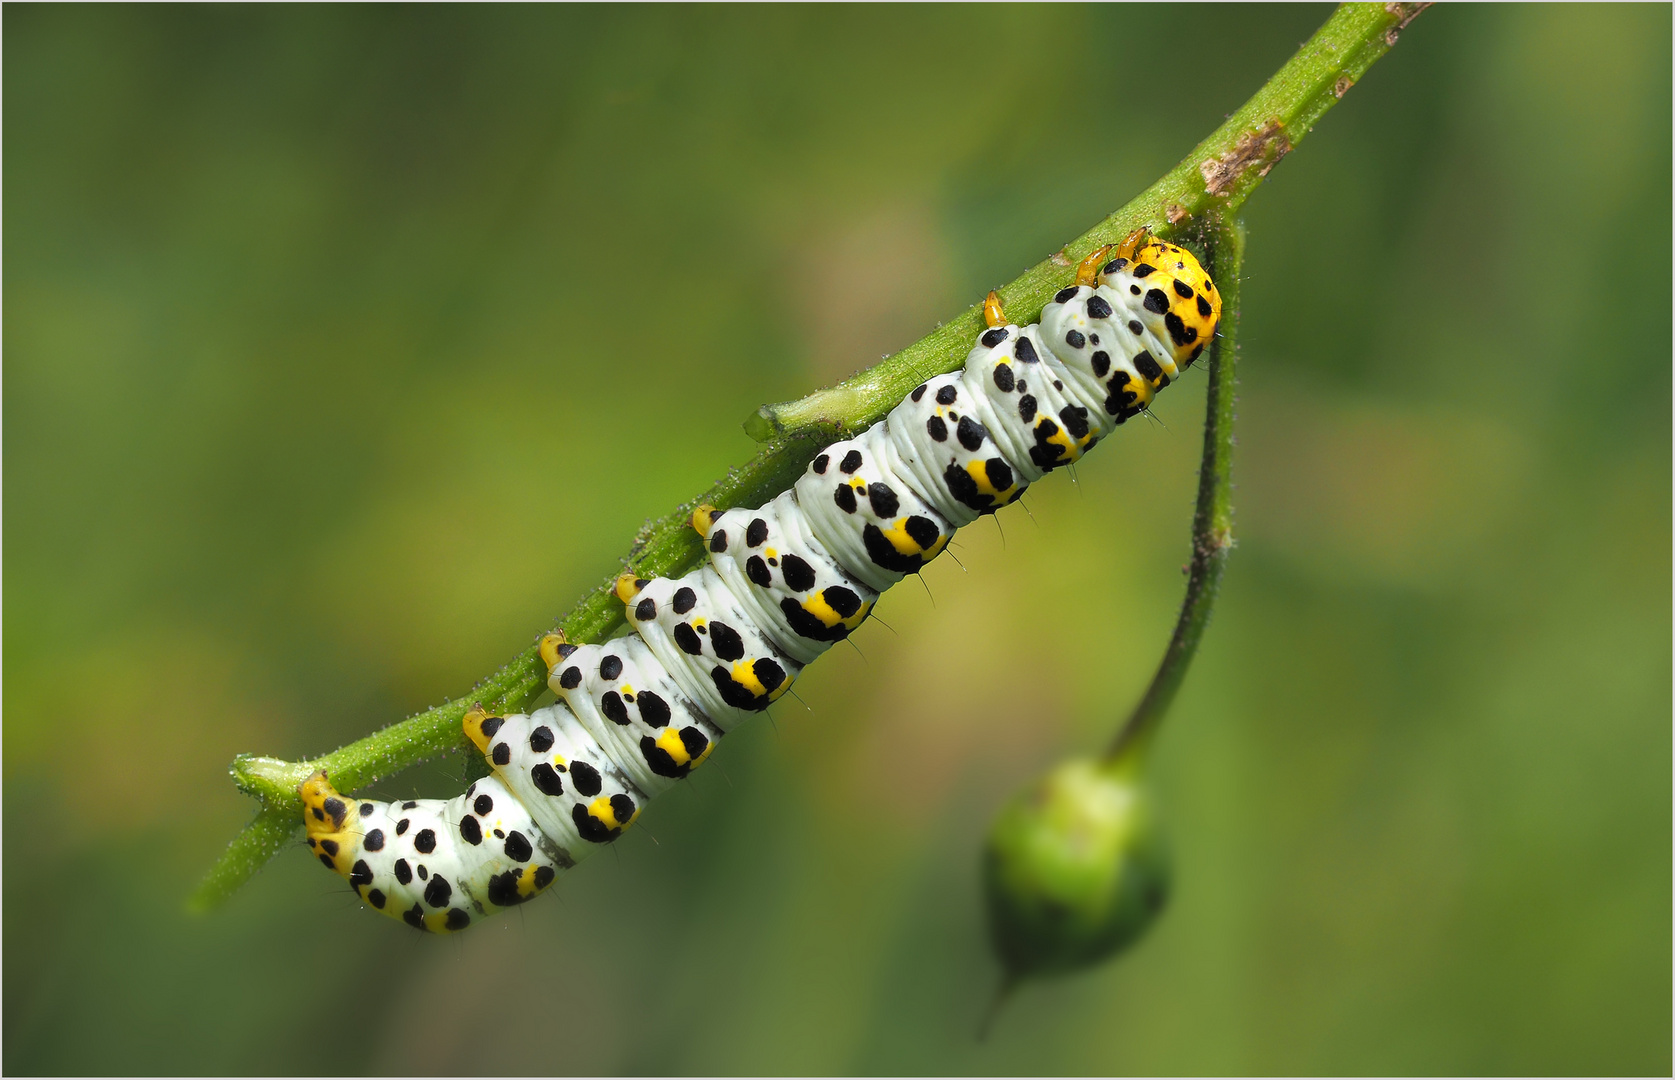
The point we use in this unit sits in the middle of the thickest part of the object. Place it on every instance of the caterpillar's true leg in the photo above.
(1087, 271)
(993, 316)
(1133, 242)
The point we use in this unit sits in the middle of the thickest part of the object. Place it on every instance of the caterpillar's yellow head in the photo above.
(1193, 305)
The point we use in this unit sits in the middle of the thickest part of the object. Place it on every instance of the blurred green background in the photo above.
(345, 346)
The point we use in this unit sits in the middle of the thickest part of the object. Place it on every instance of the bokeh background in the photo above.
(344, 347)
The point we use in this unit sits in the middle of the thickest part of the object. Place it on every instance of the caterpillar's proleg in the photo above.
(783, 582)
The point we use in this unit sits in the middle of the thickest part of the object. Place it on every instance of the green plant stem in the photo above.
(1212, 521)
(666, 548)
(1209, 184)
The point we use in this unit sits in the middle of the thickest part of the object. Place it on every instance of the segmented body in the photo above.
(783, 583)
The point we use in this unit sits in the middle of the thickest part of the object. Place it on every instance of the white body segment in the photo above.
(874, 524)
(707, 642)
(940, 446)
(783, 583)
(625, 699)
(786, 580)
(574, 791)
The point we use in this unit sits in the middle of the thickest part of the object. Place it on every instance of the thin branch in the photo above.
(1212, 522)
(1210, 183)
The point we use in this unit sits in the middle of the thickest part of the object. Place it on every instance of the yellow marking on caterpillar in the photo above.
(979, 473)
(1087, 271)
(744, 673)
(770, 553)
(1061, 438)
(671, 743)
(526, 882)
(602, 811)
(703, 520)
(905, 544)
(816, 605)
(1184, 268)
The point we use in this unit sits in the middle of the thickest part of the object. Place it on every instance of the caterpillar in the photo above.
(782, 583)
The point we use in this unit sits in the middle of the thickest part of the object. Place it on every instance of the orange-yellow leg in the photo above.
(992, 314)
(1087, 271)
(1133, 242)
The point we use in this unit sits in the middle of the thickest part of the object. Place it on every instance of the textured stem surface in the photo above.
(1207, 186)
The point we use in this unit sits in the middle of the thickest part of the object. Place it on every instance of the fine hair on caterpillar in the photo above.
(782, 583)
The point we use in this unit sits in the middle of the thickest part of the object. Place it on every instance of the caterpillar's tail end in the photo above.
(323, 807)
(324, 813)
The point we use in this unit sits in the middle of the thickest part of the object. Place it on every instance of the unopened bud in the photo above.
(1075, 869)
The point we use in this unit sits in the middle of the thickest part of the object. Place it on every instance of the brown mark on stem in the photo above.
(1175, 212)
(1404, 12)
(1260, 150)
(1341, 87)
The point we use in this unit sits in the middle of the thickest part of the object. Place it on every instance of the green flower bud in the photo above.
(1075, 869)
